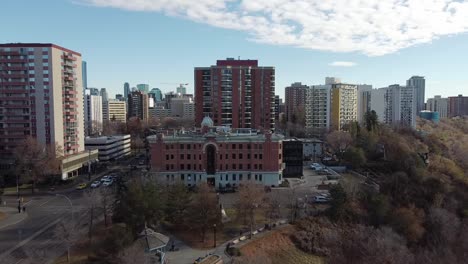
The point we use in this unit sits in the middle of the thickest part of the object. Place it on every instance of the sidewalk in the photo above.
(12, 216)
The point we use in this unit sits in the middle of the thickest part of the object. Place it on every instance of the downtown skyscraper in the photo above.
(236, 93)
(419, 85)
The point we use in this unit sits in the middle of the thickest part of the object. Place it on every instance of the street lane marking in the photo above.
(24, 242)
(46, 201)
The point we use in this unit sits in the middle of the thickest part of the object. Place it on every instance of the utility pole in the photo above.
(89, 165)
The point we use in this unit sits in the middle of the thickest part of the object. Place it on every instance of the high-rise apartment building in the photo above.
(344, 106)
(178, 105)
(104, 95)
(84, 74)
(236, 93)
(458, 105)
(144, 88)
(119, 97)
(41, 95)
(395, 105)
(295, 97)
(126, 90)
(438, 104)
(115, 110)
(363, 101)
(138, 105)
(189, 110)
(181, 89)
(317, 108)
(332, 80)
(93, 113)
(278, 108)
(156, 94)
(419, 85)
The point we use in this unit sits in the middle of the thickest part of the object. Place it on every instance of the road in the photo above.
(34, 236)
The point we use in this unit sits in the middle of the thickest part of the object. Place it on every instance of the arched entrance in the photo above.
(210, 160)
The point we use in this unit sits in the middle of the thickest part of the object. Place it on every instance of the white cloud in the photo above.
(372, 27)
(343, 64)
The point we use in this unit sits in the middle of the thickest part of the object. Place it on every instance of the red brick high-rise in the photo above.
(458, 105)
(236, 93)
(295, 98)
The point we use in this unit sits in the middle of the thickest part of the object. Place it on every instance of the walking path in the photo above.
(12, 216)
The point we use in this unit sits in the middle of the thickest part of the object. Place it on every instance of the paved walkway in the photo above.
(12, 216)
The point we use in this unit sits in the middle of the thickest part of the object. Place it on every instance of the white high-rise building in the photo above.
(93, 113)
(438, 104)
(395, 105)
(332, 80)
(317, 107)
(189, 110)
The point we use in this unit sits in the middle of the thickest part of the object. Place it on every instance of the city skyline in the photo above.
(171, 59)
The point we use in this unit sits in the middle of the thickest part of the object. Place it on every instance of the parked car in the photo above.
(321, 199)
(315, 166)
(81, 186)
(108, 183)
(105, 178)
(95, 184)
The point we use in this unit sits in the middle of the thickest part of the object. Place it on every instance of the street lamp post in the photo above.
(71, 204)
(89, 165)
(214, 229)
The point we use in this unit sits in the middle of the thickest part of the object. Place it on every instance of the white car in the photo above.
(321, 199)
(105, 178)
(315, 166)
(95, 184)
(107, 183)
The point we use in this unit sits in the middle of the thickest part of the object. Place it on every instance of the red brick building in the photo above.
(218, 157)
(458, 105)
(295, 98)
(236, 93)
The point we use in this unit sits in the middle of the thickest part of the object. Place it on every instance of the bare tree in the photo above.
(272, 208)
(37, 160)
(107, 203)
(339, 141)
(92, 202)
(67, 233)
(135, 253)
(204, 211)
(250, 202)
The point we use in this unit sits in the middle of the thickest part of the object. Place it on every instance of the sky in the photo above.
(159, 42)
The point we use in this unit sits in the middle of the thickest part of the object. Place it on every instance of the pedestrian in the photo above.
(19, 209)
(24, 209)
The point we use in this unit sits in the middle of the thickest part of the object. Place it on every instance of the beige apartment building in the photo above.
(115, 110)
(41, 95)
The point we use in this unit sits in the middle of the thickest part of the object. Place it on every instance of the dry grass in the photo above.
(2, 216)
(277, 247)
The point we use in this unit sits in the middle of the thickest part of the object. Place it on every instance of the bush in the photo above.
(285, 183)
(233, 251)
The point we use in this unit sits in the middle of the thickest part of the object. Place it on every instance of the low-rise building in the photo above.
(217, 155)
(110, 148)
(312, 149)
(292, 158)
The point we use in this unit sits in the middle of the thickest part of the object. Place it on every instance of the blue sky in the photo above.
(148, 42)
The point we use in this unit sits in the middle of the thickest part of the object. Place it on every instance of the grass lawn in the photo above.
(21, 187)
(230, 230)
(277, 248)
